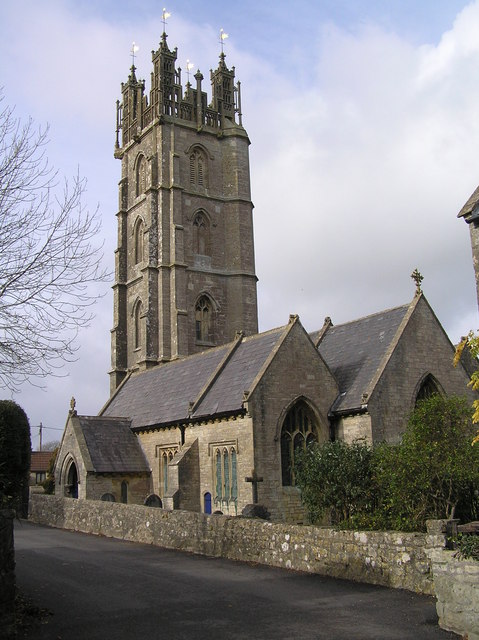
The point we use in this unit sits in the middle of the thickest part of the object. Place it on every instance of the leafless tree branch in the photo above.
(49, 256)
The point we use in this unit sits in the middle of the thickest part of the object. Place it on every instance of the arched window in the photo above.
(428, 388)
(140, 175)
(138, 237)
(201, 235)
(137, 324)
(198, 168)
(225, 472)
(204, 320)
(300, 428)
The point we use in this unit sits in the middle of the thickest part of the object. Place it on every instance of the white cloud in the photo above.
(362, 154)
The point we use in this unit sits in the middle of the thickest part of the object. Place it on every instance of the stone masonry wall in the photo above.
(386, 558)
(456, 585)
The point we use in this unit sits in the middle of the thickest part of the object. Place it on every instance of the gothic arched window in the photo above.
(201, 235)
(204, 320)
(141, 175)
(138, 237)
(428, 388)
(300, 429)
(225, 474)
(137, 324)
(198, 168)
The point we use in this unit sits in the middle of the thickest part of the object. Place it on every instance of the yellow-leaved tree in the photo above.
(471, 341)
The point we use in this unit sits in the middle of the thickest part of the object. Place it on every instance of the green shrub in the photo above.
(467, 546)
(433, 473)
(15, 453)
(335, 478)
(49, 484)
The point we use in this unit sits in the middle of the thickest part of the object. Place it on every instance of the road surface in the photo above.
(100, 588)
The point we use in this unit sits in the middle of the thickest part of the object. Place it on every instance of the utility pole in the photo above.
(40, 428)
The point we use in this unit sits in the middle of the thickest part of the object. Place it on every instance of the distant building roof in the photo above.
(354, 352)
(112, 446)
(40, 460)
(470, 208)
(209, 383)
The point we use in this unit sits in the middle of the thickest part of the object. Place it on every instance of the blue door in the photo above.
(207, 502)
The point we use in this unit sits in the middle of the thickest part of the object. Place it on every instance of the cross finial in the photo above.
(164, 17)
(134, 49)
(223, 37)
(73, 404)
(418, 278)
(189, 67)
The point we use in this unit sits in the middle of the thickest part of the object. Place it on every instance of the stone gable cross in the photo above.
(254, 479)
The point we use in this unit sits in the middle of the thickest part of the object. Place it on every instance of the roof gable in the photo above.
(112, 446)
(204, 384)
(356, 351)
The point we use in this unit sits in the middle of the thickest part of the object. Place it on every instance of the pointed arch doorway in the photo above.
(71, 484)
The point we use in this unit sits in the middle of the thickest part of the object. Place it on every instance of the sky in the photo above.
(364, 129)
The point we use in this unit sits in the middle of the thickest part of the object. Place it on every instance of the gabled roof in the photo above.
(355, 352)
(40, 460)
(112, 446)
(204, 384)
(470, 208)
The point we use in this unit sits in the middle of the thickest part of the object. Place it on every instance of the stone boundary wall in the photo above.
(391, 559)
(7, 575)
(456, 585)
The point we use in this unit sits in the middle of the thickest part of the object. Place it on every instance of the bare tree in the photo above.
(49, 256)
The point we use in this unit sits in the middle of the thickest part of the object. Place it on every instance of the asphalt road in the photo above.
(103, 588)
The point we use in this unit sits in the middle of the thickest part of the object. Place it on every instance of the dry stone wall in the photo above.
(386, 558)
(456, 585)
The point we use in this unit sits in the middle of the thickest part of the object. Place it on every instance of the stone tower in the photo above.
(184, 267)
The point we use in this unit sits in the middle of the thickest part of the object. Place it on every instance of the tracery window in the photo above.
(300, 429)
(138, 237)
(201, 235)
(166, 456)
(428, 388)
(204, 320)
(226, 482)
(141, 175)
(198, 168)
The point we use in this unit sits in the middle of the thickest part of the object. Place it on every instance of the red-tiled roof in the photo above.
(40, 460)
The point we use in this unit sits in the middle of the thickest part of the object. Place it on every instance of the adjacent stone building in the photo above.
(206, 414)
(470, 213)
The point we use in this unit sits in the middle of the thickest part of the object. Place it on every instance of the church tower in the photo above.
(184, 266)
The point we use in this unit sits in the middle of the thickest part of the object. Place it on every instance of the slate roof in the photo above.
(469, 207)
(112, 446)
(354, 352)
(214, 381)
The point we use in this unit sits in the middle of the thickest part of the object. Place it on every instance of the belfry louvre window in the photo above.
(226, 483)
(204, 320)
(300, 428)
(198, 169)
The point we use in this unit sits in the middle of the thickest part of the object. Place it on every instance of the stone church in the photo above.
(205, 414)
